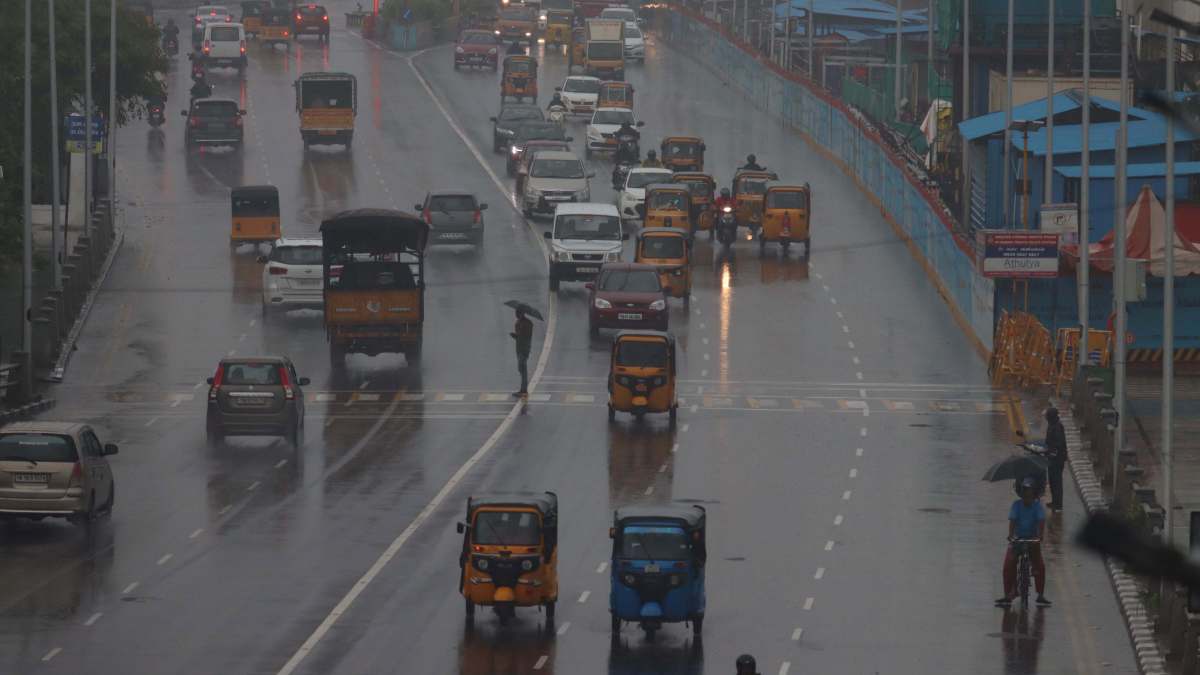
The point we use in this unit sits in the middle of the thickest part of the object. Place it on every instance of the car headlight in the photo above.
(515, 150)
(613, 256)
(497, 32)
(727, 209)
(528, 34)
(601, 303)
(658, 304)
(526, 564)
(542, 17)
(564, 256)
(460, 50)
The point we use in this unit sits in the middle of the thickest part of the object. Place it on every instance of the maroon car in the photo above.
(626, 295)
(476, 48)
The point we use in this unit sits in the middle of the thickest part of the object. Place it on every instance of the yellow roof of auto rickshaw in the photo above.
(644, 336)
(788, 187)
(545, 502)
(519, 58)
(681, 139)
(380, 230)
(753, 173)
(652, 232)
(667, 187)
(692, 176)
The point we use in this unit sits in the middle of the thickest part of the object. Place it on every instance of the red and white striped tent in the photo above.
(1145, 237)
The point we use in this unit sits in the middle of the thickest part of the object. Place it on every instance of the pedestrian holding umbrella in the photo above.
(523, 335)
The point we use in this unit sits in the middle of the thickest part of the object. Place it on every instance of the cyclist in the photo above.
(1026, 520)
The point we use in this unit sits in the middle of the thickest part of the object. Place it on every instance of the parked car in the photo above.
(255, 396)
(214, 121)
(505, 124)
(292, 278)
(55, 469)
(582, 238)
(635, 43)
(555, 177)
(477, 48)
(627, 295)
(454, 217)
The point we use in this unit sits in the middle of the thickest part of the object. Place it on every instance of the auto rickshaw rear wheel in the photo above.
(612, 414)
(616, 625)
(469, 607)
(550, 610)
(697, 624)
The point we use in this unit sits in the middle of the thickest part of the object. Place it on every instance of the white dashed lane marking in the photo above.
(196, 533)
(808, 604)
(846, 496)
(541, 662)
(583, 597)
(829, 545)
(820, 573)
(130, 588)
(797, 634)
(52, 653)
(837, 520)
(93, 619)
(165, 559)
(562, 630)
(603, 566)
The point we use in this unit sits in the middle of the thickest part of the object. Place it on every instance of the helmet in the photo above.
(751, 159)
(746, 665)
(651, 155)
(725, 193)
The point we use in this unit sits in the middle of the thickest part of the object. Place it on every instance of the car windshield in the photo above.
(263, 374)
(644, 542)
(224, 34)
(630, 281)
(682, 149)
(506, 528)
(518, 66)
(632, 31)
(514, 114)
(223, 109)
(314, 10)
(663, 247)
(642, 354)
(587, 226)
(478, 39)
(671, 201)
(579, 85)
(297, 255)
(448, 203)
(37, 447)
(548, 131)
(517, 14)
(787, 199)
(556, 168)
(640, 179)
(612, 117)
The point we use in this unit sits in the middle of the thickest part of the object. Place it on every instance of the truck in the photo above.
(327, 104)
(605, 49)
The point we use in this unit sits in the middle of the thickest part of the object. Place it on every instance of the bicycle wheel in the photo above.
(1024, 571)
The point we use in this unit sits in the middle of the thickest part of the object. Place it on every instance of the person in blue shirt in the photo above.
(1026, 520)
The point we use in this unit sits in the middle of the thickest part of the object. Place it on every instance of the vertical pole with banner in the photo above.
(1082, 272)
(1008, 120)
(1048, 183)
(1168, 383)
(1119, 235)
(966, 110)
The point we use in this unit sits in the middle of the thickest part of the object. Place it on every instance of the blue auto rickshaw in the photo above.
(657, 567)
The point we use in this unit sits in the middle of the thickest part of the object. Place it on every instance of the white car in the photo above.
(579, 94)
(623, 13)
(292, 277)
(206, 14)
(634, 191)
(635, 43)
(582, 238)
(224, 45)
(604, 124)
(554, 177)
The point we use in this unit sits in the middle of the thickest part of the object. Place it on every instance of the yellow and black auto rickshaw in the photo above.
(558, 26)
(641, 377)
(669, 249)
(252, 11)
(615, 95)
(703, 188)
(785, 216)
(667, 205)
(577, 56)
(255, 214)
(519, 80)
(748, 189)
(509, 554)
(682, 153)
(275, 27)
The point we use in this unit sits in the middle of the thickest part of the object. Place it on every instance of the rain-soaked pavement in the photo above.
(835, 424)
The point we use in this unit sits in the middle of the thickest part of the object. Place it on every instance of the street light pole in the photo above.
(110, 143)
(1008, 120)
(58, 239)
(1119, 239)
(27, 186)
(966, 110)
(897, 72)
(1048, 179)
(811, 36)
(87, 115)
(1082, 272)
(1168, 385)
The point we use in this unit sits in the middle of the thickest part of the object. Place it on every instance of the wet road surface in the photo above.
(834, 423)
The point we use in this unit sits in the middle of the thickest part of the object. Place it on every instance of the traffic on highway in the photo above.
(535, 350)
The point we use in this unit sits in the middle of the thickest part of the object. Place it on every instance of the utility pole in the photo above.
(1008, 120)
(87, 116)
(929, 55)
(110, 142)
(966, 110)
(27, 186)
(1048, 179)
(1082, 272)
(1119, 239)
(811, 36)
(1168, 383)
(58, 240)
(896, 75)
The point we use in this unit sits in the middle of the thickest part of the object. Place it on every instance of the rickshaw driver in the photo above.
(514, 49)
(752, 164)
(652, 160)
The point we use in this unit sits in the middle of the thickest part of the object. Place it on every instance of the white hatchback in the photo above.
(602, 129)
(635, 43)
(292, 277)
(634, 191)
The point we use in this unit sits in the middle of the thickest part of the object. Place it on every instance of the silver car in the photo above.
(453, 217)
(56, 469)
(554, 178)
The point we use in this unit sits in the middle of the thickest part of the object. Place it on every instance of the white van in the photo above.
(224, 45)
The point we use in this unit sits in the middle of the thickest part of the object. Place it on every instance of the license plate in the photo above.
(629, 317)
(652, 569)
(252, 402)
(28, 478)
(308, 283)
(557, 198)
(587, 270)
(475, 59)
(453, 235)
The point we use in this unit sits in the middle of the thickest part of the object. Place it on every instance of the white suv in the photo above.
(584, 237)
(224, 45)
(579, 93)
(292, 278)
(554, 177)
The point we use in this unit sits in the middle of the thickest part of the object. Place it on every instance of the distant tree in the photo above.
(140, 63)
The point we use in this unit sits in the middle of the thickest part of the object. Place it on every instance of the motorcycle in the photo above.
(197, 70)
(170, 45)
(726, 227)
(557, 114)
(156, 116)
(626, 158)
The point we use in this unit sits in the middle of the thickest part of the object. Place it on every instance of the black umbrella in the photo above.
(1015, 467)
(525, 308)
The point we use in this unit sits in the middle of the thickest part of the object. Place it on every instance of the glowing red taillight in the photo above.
(478, 216)
(216, 383)
(243, 46)
(276, 270)
(285, 33)
(207, 46)
(288, 392)
(325, 18)
(194, 121)
(299, 18)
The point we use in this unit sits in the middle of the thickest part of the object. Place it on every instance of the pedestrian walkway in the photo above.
(1144, 433)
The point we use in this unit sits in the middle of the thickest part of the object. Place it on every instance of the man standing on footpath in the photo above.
(1056, 456)
(523, 335)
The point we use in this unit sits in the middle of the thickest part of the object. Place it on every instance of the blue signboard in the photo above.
(76, 130)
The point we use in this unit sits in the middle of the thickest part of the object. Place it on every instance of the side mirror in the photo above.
(547, 235)
(483, 206)
(261, 259)
(209, 380)
(492, 119)
(640, 124)
(590, 286)
(460, 527)
(183, 113)
(303, 381)
(418, 207)
(569, 139)
(110, 449)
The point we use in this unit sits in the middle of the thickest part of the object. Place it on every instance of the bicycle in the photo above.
(1024, 566)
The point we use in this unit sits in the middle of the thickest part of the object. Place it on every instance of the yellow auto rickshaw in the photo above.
(641, 376)
(558, 26)
(252, 16)
(255, 214)
(275, 27)
(703, 188)
(578, 54)
(519, 79)
(682, 153)
(667, 205)
(615, 95)
(509, 553)
(785, 216)
(748, 189)
(669, 249)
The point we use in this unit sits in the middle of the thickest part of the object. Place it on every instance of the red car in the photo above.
(626, 295)
(476, 48)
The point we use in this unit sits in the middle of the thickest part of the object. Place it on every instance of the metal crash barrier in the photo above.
(1025, 355)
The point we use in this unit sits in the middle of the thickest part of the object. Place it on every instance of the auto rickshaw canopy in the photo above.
(520, 63)
(692, 518)
(615, 95)
(626, 337)
(254, 8)
(254, 200)
(546, 503)
(674, 195)
(682, 146)
(757, 178)
(374, 231)
(783, 192)
(274, 16)
(700, 184)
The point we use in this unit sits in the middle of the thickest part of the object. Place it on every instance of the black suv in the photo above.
(505, 124)
(255, 396)
(311, 20)
(214, 121)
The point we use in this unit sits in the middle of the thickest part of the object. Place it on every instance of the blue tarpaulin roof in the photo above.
(1068, 139)
(1064, 101)
(1149, 170)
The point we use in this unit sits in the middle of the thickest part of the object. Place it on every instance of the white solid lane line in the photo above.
(583, 597)
(808, 604)
(93, 618)
(196, 533)
(52, 653)
(130, 588)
